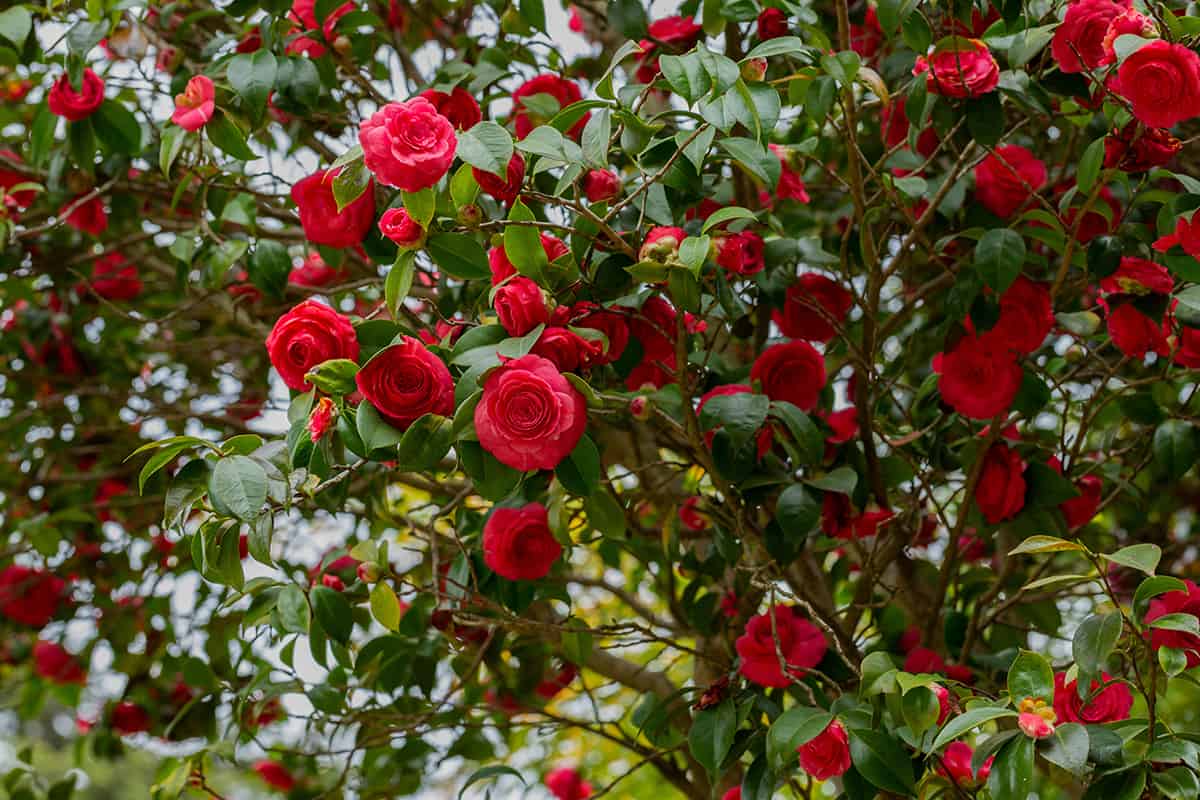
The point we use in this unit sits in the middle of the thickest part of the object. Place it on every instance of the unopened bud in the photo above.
(333, 582)
(754, 69)
(368, 572)
(470, 215)
(641, 408)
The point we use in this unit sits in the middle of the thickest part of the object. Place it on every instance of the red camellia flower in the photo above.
(1079, 511)
(741, 253)
(564, 91)
(1187, 353)
(791, 185)
(402, 229)
(956, 765)
(115, 278)
(866, 38)
(1184, 601)
(566, 349)
(828, 754)
(1078, 42)
(771, 24)
(11, 177)
(517, 543)
(793, 372)
(1026, 316)
(275, 775)
(309, 334)
(1129, 21)
(1110, 704)
(73, 105)
(405, 381)
(314, 272)
(503, 189)
(1162, 81)
(1186, 235)
(1138, 276)
(894, 125)
(459, 106)
(764, 438)
(408, 145)
(601, 185)
(90, 216)
(811, 307)
(319, 215)
(1000, 491)
(1136, 148)
(1135, 334)
(691, 516)
(963, 68)
(1005, 180)
(54, 663)
(782, 629)
(565, 783)
(194, 107)
(735, 793)
(529, 417)
(521, 306)
(502, 268)
(979, 376)
(30, 596)
(614, 326)
(129, 718)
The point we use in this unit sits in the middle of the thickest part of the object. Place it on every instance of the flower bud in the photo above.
(601, 185)
(321, 419)
(641, 408)
(402, 229)
(368, 572)
(754, 69)
(662, 245)
(342, 44)
(1035, 726)
(333, 582)
(470, 215)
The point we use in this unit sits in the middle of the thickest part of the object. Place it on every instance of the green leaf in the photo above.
(486, 146)
(425, 442)
(686, 76)
(577, 643)
(580, 471)
(628, 17)
(693, 252)
(332, 611)
(1089, 165)
(1030, 676)
(920, 708)
(399, 281)
(797, 511)
(549, 142)
(421, 206)
(1183, 623)
(1175, 447)
(459, 256)
(487, 774)
(711, 735)
(594, 140)
(534, 13)
(882, 760)
(16, 23)
(228, 137)
(605, 514)
(802, 429)
(841, 480)
(523, 244)
(1068, 748)
(238, 487)
(969, 720)
(350, 183)
(385, 606)
(293, 609)
(985, 118)
(1093, 643)
(1153, 587)
(173, 139)
(726, 214)
(1046, 544)
(779, 46)
(259, 540)
(374, 430)
(269, 266)
(1188, 309)
(1142, 557)
(252, 76)
(117, 128)
(793, 728)
(1172, 660)
(740, 415)
(759, 781)
(999, 257)
(1012, 771)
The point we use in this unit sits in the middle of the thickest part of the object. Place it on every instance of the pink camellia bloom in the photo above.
(408, 145)
(1035, 726)
(195, 105)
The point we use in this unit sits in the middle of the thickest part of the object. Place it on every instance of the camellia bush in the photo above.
(746, 398)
